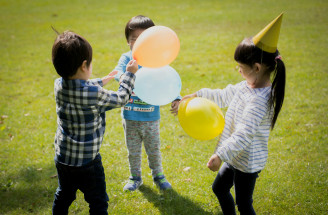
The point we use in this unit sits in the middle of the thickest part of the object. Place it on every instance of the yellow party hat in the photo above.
(267, 39)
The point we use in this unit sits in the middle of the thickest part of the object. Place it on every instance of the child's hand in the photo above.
(132, 66)
(108, 77)
(175, 104)
(214, 163)
(188, 96)
(175, 107)
(112, 74)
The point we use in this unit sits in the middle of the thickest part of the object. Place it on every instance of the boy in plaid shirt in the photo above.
(81, 105)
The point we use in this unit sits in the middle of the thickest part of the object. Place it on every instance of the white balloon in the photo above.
(157, 86)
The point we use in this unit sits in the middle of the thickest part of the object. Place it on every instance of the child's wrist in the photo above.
(105, 80)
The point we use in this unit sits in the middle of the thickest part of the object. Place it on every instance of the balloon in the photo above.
(157, 86)
(201, 118)
(156, 47)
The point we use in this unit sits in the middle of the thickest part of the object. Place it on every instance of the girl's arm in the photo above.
(175, 104)
(222, 97)
(188, 96)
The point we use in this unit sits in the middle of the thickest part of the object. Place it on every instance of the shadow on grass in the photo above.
(30, 190)
(170, 202)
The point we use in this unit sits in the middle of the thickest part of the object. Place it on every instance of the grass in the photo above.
(295, 180)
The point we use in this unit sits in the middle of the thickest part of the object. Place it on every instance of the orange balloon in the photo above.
(156, 47)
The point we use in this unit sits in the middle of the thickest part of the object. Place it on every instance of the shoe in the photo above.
(161, 182)
(134, 183)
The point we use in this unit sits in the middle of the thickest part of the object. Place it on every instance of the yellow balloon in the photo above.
(201, 118)
(156, 47)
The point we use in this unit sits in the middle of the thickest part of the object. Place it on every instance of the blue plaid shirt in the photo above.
(81, 107)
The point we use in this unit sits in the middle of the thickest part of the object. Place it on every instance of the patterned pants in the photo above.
(147, 132)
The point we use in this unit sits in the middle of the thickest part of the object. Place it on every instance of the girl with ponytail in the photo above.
(253, 107)
(272, 65)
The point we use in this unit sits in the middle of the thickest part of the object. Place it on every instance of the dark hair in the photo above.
(137, 22)
(247, 53)
(68, 53)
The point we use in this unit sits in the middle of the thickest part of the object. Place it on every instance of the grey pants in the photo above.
(147, 132)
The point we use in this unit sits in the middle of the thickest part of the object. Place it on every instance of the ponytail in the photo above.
(247, 53)
(277, 89)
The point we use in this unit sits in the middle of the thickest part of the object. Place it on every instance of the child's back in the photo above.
(80, 107)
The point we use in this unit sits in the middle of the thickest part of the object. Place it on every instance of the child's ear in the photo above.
(84, 66)
(257, 67)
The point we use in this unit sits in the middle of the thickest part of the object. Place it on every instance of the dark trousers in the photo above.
(244, 184)
(90, 179)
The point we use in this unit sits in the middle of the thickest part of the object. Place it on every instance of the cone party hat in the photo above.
(267, 39)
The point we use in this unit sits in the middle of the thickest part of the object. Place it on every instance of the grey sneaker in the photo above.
(161, 182)
(134, 183)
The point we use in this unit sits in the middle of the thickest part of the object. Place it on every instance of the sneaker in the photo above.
(161, 182)
(134, 183)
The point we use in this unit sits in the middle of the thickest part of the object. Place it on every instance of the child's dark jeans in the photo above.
(90, 179)
(244, 184)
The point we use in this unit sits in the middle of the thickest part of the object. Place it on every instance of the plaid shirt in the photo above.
(80, 107)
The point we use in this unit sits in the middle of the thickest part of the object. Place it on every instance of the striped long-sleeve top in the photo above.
(244, 140)
(81, 107)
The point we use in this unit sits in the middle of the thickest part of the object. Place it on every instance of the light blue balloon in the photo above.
(157, 86)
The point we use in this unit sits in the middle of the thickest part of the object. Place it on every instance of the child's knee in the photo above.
(65, 196)
(99, 207)
(245, 206)
(217, 189)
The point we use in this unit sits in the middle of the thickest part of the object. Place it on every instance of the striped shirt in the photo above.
(244, 140)
(80, 107)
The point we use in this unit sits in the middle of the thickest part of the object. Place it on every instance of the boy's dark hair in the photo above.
(247, 53)
(137, 22)
(68, 53)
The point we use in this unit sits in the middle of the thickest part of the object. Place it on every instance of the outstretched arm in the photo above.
(175, 104)
(113, 99)
(109, 77)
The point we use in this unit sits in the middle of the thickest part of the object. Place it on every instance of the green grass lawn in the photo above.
(295, 180)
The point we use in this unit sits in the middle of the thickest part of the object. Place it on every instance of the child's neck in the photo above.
(79, 75)
(260, 83)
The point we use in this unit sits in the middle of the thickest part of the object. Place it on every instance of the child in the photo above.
(141, 120)
(253, 108)
(80, 107)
